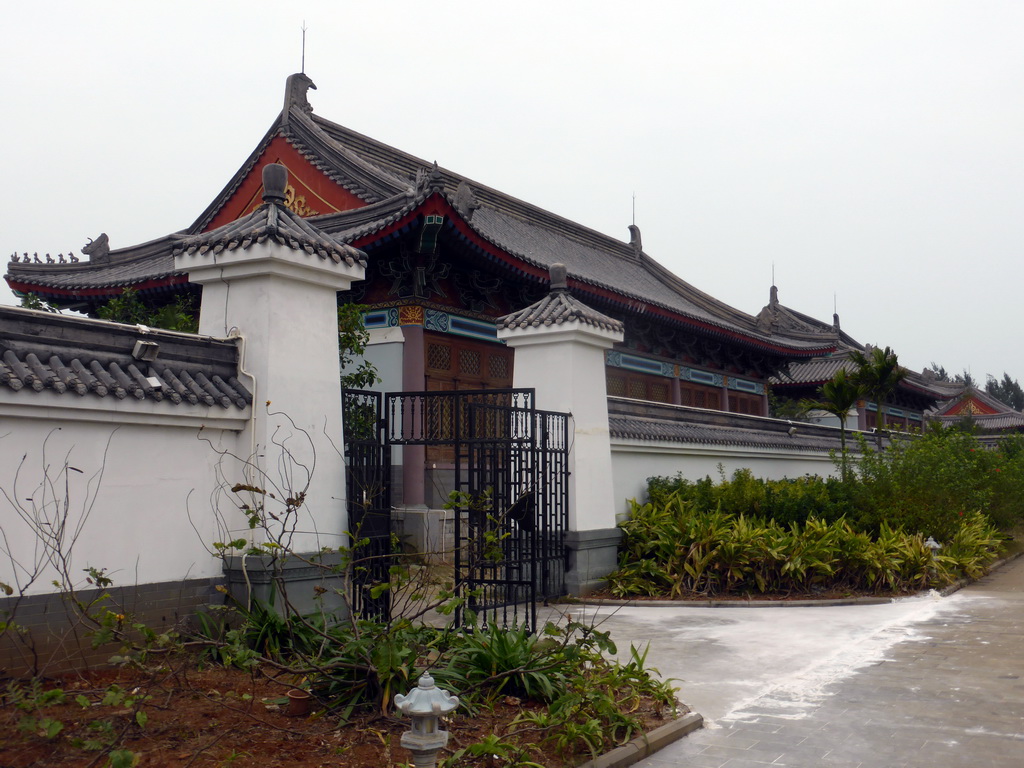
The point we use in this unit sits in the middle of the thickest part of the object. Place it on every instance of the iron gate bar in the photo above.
(522, 475)
(437, 417)
(368, 491)
(511, 479)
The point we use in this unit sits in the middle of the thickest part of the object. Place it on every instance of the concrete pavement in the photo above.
(932, 681)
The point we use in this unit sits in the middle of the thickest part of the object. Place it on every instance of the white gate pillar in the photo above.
(272, 278)
(560, 348)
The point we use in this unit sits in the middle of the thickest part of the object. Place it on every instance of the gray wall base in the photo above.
(50, 637)
(309, 588)
(592, 556)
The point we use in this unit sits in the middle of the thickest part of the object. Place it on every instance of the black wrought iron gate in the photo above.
(368, 491)
(512, 512)
(510, 494)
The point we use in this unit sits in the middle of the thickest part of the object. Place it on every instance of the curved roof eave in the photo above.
(401, 210)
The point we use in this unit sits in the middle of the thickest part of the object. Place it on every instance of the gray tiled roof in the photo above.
(1005, 419)
(818, 370)
(991, 422)
(636, 420)
(392, 182)
(277, 224)
(126, 267)
(541, 238)
(960, 392)
(558, 308)
(538, 237)
(70, 355)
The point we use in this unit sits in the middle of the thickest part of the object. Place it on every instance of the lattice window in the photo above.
(469, 362)
(659, 392)
(748, 404)
(439, 357)
(638, 386)
(616, 385)
(498, 367)
(454, 363)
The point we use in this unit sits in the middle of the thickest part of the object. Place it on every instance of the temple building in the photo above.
(447, 256)
(978, 410)
(905, 410)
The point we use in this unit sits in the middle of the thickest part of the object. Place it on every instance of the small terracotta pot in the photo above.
(299, 703)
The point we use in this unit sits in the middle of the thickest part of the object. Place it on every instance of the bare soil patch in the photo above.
(205, 716)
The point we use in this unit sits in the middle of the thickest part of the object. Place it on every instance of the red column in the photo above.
(413, 380)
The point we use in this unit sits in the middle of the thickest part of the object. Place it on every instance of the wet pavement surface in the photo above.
(932, 681)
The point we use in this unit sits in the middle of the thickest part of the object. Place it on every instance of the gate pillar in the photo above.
(560, 348)
(272, 279)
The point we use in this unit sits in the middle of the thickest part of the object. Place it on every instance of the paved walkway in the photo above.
(929, 682)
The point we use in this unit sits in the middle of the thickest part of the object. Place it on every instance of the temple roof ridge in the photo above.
(559, 307)
(272, 221)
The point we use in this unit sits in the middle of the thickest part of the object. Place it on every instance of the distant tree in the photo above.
(1006, 391)
(878, 373)
(838, 396)
(942, 374)
(32, 301)
(356, 373)
(129, 308)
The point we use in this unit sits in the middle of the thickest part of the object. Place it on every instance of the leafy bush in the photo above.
(674, 548)
(785, 501)
(931, 483)
(928, 484)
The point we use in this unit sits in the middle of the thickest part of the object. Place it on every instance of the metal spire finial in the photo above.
(303, 70)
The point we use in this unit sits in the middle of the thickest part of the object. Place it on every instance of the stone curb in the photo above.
(958, 585)
(736, 603)
(647, 744)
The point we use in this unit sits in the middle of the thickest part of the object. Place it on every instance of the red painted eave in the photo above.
(159, 282)
(437, 204)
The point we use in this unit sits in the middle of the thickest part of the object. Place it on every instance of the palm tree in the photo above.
(879, 373)
(838, 396)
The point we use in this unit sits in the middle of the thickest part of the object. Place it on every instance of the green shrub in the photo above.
(790, 500)
(673, 548)
(927, 484)
(931, 483)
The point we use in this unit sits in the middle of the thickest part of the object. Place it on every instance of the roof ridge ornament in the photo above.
(635, 240)
(275, 183)
(295, 90)
(465, 201)
(435, 181)
(98, 250)
(559, 278)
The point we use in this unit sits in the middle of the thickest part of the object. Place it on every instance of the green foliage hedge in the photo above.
(673, 549)
(926, 485)
(745, 534)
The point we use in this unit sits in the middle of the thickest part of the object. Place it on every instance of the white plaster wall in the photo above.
(633, 461)
(139, 507)
(384, 352)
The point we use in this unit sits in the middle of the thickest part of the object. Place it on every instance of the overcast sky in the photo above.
(869, 151)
